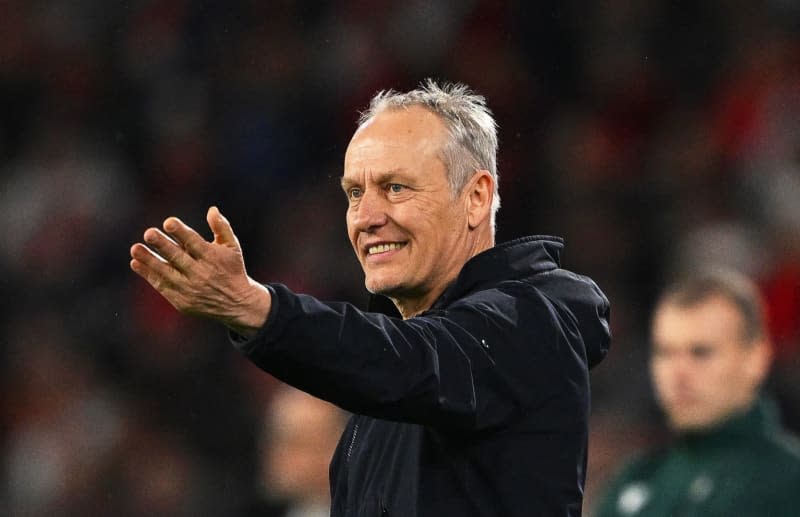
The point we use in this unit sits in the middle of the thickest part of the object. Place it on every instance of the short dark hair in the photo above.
(736, 288)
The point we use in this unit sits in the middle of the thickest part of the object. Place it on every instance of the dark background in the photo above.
(655, 136)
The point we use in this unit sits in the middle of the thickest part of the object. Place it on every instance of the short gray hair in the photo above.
(472, 143)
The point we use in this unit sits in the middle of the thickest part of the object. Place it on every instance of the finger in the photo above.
(158, 282)
(168, 249)
(191, 241)
(223, 232)
(153, 268)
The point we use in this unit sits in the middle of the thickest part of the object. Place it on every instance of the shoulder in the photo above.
(536, 291)
(781, 448)
(510, 304)
(633, 486)
(643, 465)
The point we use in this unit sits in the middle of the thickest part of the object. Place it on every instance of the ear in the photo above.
(759, 361)
(479, 196)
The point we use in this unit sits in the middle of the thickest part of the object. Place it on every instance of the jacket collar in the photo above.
(760, 419)
(513, 259)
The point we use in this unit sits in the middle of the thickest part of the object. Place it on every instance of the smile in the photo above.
(383, 248)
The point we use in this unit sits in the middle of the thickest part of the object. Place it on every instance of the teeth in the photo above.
(382, 248)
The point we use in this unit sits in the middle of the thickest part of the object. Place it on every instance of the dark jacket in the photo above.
(746, 467)
(478, 406)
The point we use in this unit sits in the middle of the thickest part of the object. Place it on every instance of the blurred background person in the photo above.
(710, 357)
(297, 440)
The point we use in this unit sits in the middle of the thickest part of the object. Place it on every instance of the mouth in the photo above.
(684, 399)
(384, 247)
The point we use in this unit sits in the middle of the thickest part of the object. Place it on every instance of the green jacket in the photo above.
(747, 467)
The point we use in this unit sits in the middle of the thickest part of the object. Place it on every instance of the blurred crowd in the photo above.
(654, 136)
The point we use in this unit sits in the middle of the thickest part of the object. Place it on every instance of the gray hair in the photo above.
(472, 143)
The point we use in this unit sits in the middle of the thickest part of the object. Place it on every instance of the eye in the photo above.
(396, 187)
(354, 193)
(702, 351)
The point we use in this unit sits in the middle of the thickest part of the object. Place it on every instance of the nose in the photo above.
(682, 369)
(370, 212)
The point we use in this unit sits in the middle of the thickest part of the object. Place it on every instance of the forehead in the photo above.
(713, 321)
(395, 139)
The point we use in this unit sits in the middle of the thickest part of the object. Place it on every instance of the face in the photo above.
(300, 437)
(702, 369)
(409, 232)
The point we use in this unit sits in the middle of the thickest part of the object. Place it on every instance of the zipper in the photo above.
(352, 441)
(344, 483)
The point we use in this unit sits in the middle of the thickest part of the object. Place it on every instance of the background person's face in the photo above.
(407, 230)
(299, 438)
(702, 371)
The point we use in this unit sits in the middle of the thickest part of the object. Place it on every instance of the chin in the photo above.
(382, 287)
(690, 423)
(683, 426)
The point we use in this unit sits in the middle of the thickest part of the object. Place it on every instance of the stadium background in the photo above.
(654, 135)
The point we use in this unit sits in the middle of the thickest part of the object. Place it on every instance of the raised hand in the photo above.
(200, 277)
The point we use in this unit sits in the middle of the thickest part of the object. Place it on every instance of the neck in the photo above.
(410, 307)
(413, 306)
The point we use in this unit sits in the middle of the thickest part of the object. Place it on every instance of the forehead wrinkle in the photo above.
(374, 176)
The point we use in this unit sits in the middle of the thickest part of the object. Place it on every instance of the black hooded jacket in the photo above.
(478, 406)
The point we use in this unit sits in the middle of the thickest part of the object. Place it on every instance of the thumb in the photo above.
(223, 233)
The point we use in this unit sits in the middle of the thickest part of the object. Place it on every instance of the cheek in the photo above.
(669, 377)
(720, 368)
(447, 227)
(435, 211)
(658, 371)
(352, 235)
(729, 374)
(660, 383)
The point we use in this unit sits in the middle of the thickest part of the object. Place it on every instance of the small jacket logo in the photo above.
(701, 488)
(633, 498)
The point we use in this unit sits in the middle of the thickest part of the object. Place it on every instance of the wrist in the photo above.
(255, 309)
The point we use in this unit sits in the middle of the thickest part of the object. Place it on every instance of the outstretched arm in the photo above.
(203, 278)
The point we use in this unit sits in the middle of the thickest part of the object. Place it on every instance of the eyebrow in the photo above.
(378, 177)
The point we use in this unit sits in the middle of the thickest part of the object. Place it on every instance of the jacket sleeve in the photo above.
(471, 367)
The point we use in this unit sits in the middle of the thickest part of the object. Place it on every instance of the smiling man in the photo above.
(470, 392)
(412, 232)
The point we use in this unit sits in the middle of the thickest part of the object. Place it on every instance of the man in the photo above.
(710, 357)
(298, 437)
(472, 396)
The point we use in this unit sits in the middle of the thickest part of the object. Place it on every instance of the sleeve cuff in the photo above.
(245, 344)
